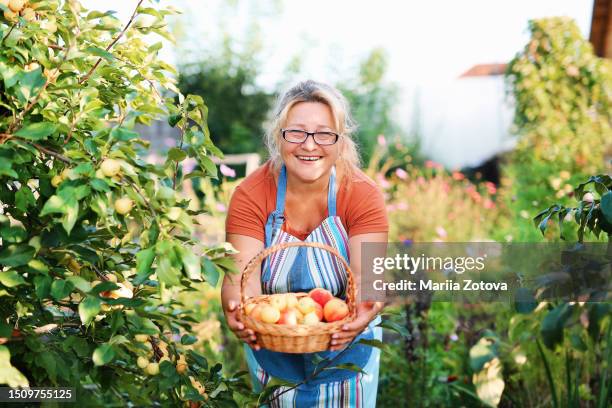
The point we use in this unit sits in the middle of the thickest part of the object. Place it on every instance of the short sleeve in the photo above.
(245, 216)
(366, 212)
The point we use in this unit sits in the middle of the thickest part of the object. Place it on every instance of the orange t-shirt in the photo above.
(359, 204)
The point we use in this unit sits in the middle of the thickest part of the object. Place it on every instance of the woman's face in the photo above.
(298, 158)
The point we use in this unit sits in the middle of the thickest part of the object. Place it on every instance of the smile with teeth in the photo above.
(309, 158)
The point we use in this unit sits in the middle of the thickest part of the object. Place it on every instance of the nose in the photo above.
(309, 144)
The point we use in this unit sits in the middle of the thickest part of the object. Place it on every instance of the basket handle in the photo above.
(351, 291)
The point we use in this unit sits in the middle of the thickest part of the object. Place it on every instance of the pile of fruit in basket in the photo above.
(297, 308)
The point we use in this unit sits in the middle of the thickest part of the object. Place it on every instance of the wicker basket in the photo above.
(294, 338)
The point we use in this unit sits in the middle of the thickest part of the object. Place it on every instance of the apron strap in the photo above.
(331, 193)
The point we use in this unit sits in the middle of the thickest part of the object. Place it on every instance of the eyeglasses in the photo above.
(299, 136)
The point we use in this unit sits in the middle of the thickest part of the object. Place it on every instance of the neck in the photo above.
(318, 186)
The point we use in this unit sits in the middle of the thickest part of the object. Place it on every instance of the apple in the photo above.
(306, 305)
(16, 5)
(10, 16)
(311, 318)
(123, 205)
(269, 314)
(152, 369)
(56, 180)
(278, 302)
(321, 296)
(110, 167)
(256, 312)
(28, 14)
(319, 311)
(181, 365)
(142, 362)
(289, 317)
(111, 278)
(291, 300)
(249, 308)
(141, 337)
(334, 310)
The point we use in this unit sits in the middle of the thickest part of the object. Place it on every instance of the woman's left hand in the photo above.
(366, 312)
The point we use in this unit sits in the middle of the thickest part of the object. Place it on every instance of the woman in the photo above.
(310, 190)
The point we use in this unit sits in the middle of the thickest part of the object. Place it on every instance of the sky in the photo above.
(428, 43)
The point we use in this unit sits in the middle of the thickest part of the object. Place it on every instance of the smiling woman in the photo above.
(311, 190)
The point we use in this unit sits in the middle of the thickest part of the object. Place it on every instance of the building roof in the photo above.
(485, 70)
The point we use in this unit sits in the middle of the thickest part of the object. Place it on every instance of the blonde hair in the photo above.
(312, 91)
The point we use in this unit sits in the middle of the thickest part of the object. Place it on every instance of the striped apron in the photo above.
(300, 269)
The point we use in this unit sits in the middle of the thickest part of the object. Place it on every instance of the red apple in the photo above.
(335, 310)
(289, 317)
(321, 296)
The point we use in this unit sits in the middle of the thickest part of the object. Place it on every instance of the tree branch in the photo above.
(131, 20)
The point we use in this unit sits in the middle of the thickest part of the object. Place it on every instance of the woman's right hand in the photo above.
(233, 321)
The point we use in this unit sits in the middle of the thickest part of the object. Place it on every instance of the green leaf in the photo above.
(191, 263)
(482, 352)
(100, 52)
(388, 324)
(374, 343)
(273, 385)
(524, 302)
(9, 375)
(103, 354)
(144, 260)
(61, 288)
(24, 199)
(553, 325)
(30, 83)
(347, 366)
(209, 166)
(16, 255)
(13, 234)
(211, 274)
(55, 204)
(47, 361)
(11, 279)
(166, 273)
(177, 155)
(42, 285)
(36, 131)
(71, 212)
(187, 340)
(6, 168)
(606, 206)
(123, 134)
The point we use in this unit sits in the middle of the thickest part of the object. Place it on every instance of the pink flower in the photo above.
(382, 181)
(227, 171)
(421, 180)
(220, 207)
(441, 232)
(488, 204)
(430, 164)
(381, 140)
(402, 205)
(401, 173)
(188, 165)
(391, 207)
(491, 189)
(457, 175)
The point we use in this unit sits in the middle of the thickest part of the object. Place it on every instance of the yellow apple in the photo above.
(28, 14)
(123, 205)
(269, 314)
(310, 318)
(278, 302)
(152, 369)
(110, 167)
(141, 337)
(291, 300)
(56, 180)
(306, 305)
(142, 362)
(16, 5)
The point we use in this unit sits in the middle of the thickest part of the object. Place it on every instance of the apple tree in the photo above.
(96, 242)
